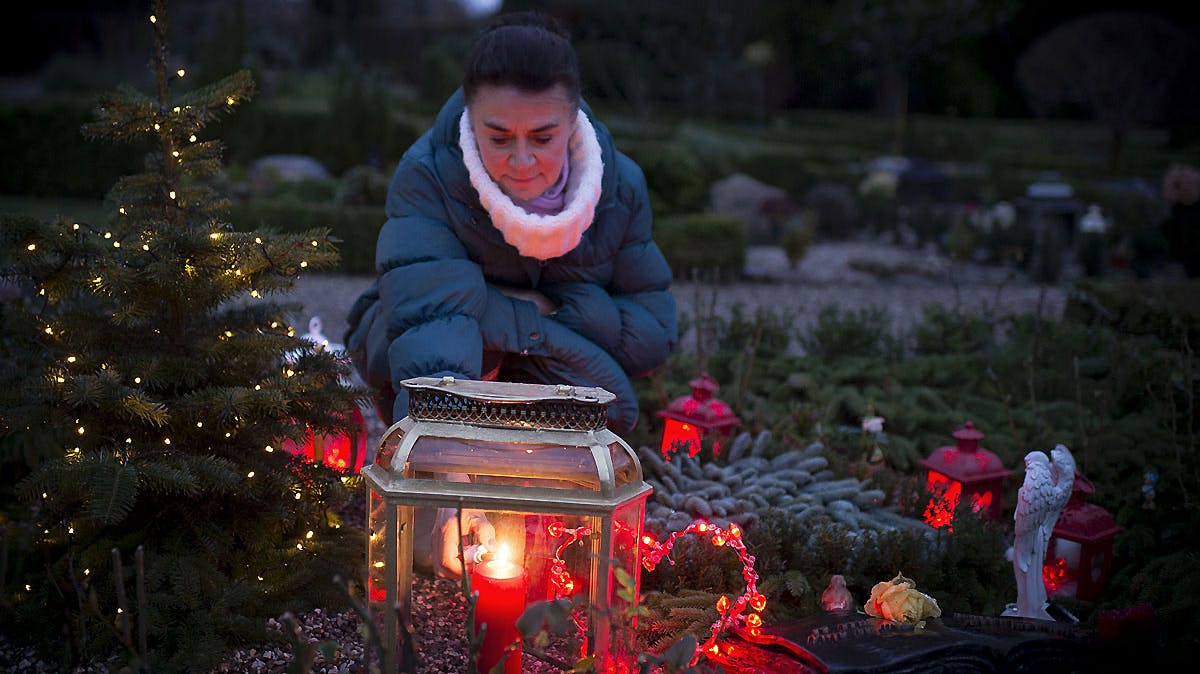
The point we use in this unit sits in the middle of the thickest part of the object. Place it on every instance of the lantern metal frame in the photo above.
(510, 414)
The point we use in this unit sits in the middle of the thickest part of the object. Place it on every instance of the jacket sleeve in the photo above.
(634, 318)
(431, 295)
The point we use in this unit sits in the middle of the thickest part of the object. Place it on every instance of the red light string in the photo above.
(731, 613)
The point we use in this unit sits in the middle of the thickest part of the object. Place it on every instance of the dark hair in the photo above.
(527, 50)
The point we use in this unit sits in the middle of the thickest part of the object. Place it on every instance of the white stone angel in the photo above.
(1040, 500)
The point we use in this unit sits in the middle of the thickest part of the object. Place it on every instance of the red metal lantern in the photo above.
(964, 470)
(1079, 556)
(688, 419)
(343, 453)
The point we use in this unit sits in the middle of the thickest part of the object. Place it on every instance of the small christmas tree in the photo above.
(147, 381)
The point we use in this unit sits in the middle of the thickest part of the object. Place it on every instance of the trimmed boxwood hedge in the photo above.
(43, 153)
(710, 244)
(357, 227)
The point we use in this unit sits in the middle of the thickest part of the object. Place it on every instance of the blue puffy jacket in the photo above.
(436, 305)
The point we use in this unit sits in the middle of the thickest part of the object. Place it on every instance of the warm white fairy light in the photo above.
(153, 19)
(304, 263)
(145, 246)
(76, 226)
(137, 380)
(192, 138)
(61, 380)
(297, 495)
(314, 243)
(70, 359)
(214, 236)
(309, 534)
(177, 109)
(70, 530)
(121, 210)
(229, 100)
(268, 449)
(250, 474)
(175, 153)
(116, 244)
(299, 546)
(289, 372)
(254, 294)
(199, 424)
(257, 240)
(166, 441)
(49, 330)
(258, 387)
(172, 194)
(32, 246)
(80, 430)
(181, 72)
(87, 572)
(156, 126)
(274, 324)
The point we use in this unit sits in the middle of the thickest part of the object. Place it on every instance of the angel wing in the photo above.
(1064, 474)
(1035, 514)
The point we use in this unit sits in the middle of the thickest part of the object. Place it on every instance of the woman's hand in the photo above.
(446, 562)
(543, 303)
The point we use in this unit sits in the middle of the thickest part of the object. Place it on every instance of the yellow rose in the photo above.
(898, 600)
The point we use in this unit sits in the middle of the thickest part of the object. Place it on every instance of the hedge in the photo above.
(43, 153)
(357, 227)
(707, 244)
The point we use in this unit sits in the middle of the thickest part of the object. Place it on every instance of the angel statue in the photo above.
(1047, 487)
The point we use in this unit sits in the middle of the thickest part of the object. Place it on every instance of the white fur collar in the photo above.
(541, 236)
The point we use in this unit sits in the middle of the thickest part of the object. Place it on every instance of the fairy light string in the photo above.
(743, 611)
(740, 612)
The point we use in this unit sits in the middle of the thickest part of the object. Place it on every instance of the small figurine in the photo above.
(1040, 500)
(836, 597)
(1149, 479)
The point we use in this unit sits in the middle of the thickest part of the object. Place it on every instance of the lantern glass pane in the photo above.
(376, 546)
(551, 465)
(388, 446)
(625, 467)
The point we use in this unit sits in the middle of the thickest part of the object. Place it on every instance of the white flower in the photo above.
(872, 424)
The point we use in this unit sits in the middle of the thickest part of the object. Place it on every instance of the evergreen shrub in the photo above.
(703, 244)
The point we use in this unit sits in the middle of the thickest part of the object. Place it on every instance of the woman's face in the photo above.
(522, 136)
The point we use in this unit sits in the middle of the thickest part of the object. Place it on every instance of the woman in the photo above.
(517, 245)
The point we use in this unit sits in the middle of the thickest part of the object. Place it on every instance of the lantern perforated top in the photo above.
(549, 436)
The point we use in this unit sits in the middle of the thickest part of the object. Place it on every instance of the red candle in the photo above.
(501, 586)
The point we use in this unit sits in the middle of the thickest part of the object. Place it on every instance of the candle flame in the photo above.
(503, 554)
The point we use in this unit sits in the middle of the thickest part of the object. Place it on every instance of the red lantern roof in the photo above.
(701, 407)
(966, 461)
(1086, 523)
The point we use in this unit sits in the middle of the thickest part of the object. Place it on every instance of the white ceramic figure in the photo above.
(1040, 500)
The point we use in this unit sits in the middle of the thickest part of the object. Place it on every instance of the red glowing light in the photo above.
(1055, 575)
(945, 493)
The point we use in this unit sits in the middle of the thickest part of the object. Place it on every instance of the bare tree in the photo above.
(1124, 68)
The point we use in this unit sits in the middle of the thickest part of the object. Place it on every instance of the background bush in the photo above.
(706, 244)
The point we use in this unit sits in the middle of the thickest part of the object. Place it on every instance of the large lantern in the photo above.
(1079, 556)
(541, 464)
(688, 419)
(963, 471)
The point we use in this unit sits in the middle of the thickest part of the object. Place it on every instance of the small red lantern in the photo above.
(1079, 556)
(690, 418)
(965, 470)
(343, 453)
